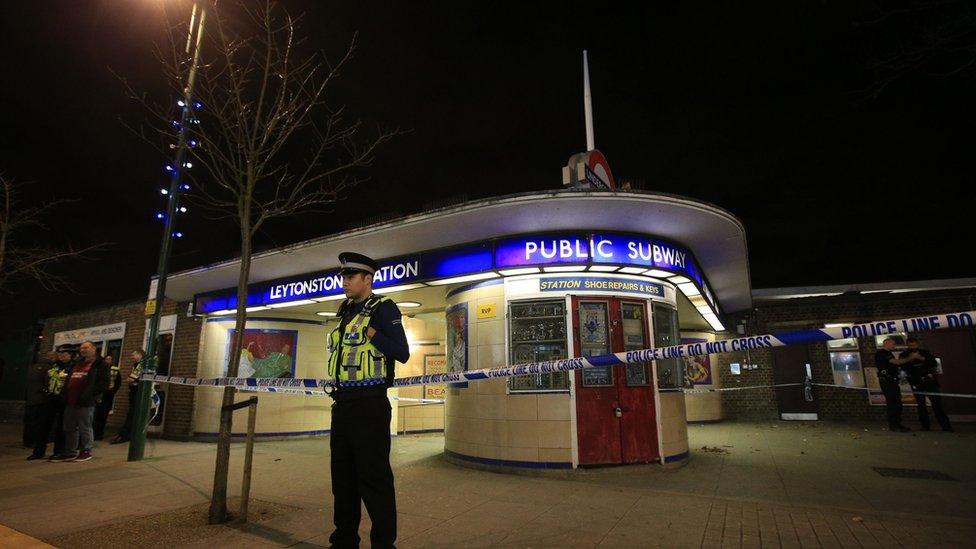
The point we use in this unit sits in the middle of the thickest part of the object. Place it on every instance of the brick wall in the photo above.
(815, 312)
(179, 416)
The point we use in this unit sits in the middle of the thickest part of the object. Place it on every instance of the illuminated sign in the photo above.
(522, 251)
(536, 250)
(600, 284)
(607, 248)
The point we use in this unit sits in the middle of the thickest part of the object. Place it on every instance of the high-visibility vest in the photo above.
(353, 357)
(136, 371)
(112, 376)
(55, 379)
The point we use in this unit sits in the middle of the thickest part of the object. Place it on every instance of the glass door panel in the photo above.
(635, 338)
(594, 337)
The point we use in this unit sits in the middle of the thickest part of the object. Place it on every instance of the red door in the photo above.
(615, 414)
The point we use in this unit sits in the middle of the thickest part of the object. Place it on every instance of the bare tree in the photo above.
(24, 257)
(931, 38)
(271, 142)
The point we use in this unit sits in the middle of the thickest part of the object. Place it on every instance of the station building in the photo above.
(523, 278)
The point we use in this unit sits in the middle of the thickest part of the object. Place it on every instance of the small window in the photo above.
(846, 366)
(842, 344)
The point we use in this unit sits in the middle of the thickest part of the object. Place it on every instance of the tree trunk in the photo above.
(218, 500)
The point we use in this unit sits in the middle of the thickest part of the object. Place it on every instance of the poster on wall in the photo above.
(265, 353)
(876, 397)
(435, 364)
(457, 340)
(698, 369)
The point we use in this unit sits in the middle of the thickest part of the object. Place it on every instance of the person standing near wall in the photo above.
(57, 374)
(363, 349)
(889, 374)
(104, 407)
(138, 362)
(87, 380)
(38, 410)
(921, 375)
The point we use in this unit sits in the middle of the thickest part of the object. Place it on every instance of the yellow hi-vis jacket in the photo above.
(353, 357)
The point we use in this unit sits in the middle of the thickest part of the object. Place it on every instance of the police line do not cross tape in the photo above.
(766, 341)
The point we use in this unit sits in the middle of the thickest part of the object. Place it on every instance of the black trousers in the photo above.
(930, 386)
(101, 414)
(50, 415)
(133, 399)
(360, 444)
(892, 394)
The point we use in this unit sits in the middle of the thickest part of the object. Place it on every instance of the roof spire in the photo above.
(588, 105)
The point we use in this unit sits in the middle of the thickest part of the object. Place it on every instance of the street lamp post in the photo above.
(140, 420)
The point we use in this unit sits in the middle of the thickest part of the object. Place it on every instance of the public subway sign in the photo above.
(522, 251)
(606, 248)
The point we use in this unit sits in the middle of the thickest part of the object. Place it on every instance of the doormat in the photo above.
(912, 473)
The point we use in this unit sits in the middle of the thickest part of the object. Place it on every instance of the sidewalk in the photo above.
(747, 485)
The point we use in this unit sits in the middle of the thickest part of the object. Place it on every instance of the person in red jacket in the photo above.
(87, 380)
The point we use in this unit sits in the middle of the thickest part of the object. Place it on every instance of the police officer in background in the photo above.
(889, 372)
(921, 375)
(362, 350)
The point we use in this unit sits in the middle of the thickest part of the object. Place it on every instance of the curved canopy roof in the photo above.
(716, 237)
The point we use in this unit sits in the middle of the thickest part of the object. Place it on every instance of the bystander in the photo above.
(87, 380)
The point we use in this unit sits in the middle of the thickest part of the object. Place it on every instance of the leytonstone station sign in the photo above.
(516, 255)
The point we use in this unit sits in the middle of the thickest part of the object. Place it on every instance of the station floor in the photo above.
(769, 484)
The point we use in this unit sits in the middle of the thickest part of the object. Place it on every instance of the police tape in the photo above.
(308, 392)
(745, 343)
(685, 390)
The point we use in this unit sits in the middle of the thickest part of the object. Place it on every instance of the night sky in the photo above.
(776, 113)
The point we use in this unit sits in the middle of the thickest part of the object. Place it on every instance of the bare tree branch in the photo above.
(21, 261)
(936, 38)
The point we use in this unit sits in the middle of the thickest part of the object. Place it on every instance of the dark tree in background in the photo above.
(934, 38)
(271, 142)
(27, 253)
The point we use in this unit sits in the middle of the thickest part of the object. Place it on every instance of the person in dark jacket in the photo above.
(922, 377)
(87, 380)
(104, 407)
(138, 362)
(889, 374)
(38, 404)
(363, 349)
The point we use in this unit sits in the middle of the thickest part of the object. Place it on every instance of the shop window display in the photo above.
(670, 371)
(537, 332)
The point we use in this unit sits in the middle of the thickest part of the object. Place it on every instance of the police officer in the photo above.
(39, 408)
(104, 408)
(362, 350)
(921, 375)
(57, 375)
(889, 373)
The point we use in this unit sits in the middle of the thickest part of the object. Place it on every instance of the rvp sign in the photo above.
(488, 310)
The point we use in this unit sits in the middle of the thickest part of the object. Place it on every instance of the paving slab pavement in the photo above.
(776, 484)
